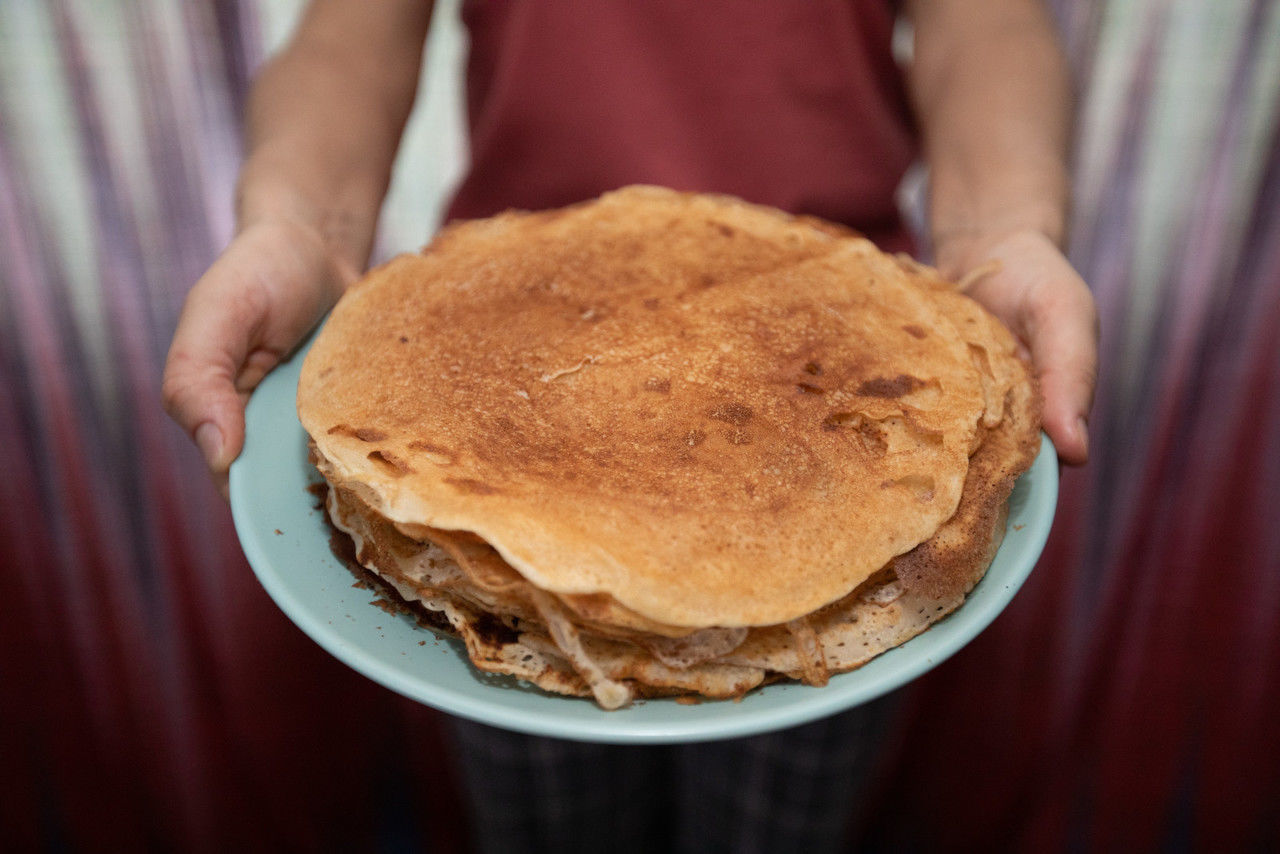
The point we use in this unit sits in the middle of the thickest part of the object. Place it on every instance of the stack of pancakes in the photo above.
(668, 444)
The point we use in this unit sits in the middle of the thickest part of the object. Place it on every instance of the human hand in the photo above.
(273, 283)
(1041, 298)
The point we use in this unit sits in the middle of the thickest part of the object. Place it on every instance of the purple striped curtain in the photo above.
(1125, 701)
(152, 697)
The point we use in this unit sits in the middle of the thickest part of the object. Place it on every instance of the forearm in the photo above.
(325, 118)
(993, 98)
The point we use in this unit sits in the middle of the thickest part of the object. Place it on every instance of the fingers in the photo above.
(203, 373)
(1049, 307)
(1063, 335)
(241, 318)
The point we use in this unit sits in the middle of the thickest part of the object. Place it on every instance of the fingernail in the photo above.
(209, 441)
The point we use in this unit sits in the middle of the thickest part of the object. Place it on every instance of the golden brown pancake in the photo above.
(665, 432)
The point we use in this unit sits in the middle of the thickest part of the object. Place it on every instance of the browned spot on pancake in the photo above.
(390, 463)
(813, 369)
(872, 437)
(661, 385)
(651, 304)
(492, 630)
(914, 331)
(427, 447)
(724, 228)
(870, 434)
(469, 538)
(836, 420)
(886, 387)
(475, 487)
(807, 388)
(364, 434)
(732, 413)
(404, 339)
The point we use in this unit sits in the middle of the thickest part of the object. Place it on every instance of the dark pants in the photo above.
(792, 790)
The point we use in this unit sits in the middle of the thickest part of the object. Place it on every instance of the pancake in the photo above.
(673, 442)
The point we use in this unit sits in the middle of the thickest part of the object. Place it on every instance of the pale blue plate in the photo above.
(287, 543)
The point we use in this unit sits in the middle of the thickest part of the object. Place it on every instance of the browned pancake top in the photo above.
(715, 414)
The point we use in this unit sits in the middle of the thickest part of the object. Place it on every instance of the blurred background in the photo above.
(152, 697)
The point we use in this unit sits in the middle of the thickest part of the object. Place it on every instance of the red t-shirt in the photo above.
(792, 103)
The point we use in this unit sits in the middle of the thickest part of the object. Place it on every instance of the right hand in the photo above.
(273, 283)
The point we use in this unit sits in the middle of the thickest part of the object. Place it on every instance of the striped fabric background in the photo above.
(152, 697)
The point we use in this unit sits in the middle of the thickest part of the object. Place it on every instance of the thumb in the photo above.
(1062, 331)
(1050, 309)
(211, 363)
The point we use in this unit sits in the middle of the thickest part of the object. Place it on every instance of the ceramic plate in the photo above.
(287, 542)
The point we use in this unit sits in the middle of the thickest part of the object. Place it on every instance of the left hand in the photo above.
(1046, 304)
